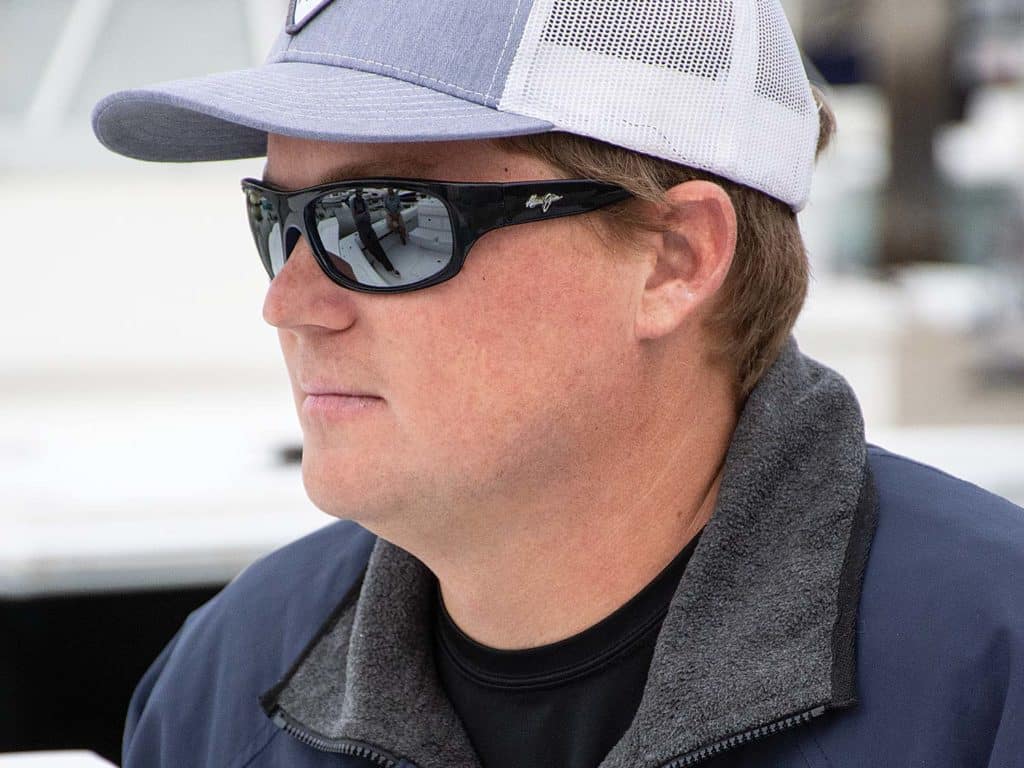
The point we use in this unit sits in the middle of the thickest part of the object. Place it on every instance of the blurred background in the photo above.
(149, 444)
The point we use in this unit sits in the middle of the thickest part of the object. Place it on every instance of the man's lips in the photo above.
(339, 391)
(333, 406)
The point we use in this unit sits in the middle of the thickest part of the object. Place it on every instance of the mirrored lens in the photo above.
(384, 236)
(266, 230)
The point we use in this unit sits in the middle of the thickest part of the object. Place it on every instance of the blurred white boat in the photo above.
(63, 759)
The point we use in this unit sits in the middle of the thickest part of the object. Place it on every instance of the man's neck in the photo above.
(557, 587)
(531, 564)
(550, 574)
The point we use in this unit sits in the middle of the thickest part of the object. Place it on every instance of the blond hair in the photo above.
(766, 286)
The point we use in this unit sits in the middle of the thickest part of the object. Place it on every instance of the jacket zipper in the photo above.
(702, 754)
(360, 749)
(342, 746)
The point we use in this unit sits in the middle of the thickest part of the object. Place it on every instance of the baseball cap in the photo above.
(717, 85)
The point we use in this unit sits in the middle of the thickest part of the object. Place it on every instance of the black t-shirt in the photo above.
(562, 705)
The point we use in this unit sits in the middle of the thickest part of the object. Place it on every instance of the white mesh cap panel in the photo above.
(713, 84)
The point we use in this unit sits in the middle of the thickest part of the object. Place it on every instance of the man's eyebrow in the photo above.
(406, 167)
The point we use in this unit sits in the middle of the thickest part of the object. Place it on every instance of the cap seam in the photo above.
(360, 91)
(389, 66)
(419, 116)
(501, 56)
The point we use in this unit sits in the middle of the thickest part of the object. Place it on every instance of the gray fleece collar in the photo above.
(761, 627)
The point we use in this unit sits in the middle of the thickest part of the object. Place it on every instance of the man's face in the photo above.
(496, 385)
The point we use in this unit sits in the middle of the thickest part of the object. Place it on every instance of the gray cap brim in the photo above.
(227, 116)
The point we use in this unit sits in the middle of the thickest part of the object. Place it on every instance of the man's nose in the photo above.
(301, 294)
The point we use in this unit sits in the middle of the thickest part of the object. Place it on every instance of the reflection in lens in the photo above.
(274, 249)
(384, 236)
(266, 230)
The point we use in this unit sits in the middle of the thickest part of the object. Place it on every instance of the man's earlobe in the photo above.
(692, 257)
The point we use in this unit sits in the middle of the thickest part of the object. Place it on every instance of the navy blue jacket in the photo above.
(924, 663)
(940, 644)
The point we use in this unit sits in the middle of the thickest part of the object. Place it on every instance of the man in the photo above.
(393, 206)
(364, 225)
(623, 521)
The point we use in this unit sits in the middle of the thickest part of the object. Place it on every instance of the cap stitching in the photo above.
(390, 66)
(421, 97)
(501, 56)
(409, 93)
(326, 114)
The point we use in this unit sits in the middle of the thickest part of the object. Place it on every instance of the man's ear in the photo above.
(690, 258)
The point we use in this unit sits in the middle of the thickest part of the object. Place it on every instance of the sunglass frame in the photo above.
(474, 208)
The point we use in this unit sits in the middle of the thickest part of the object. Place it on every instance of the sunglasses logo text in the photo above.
(536, 201)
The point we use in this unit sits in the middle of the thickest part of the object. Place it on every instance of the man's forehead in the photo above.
(295, 163)
(299, 163)
(332, 170)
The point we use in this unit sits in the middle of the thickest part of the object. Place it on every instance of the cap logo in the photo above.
(301, 11)
(536, 201)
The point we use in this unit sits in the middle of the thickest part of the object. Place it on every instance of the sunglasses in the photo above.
(394, 235)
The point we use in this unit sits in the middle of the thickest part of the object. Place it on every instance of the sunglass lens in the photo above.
(384, 236)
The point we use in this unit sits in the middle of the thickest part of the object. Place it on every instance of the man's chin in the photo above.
(352, 493)
(330, 493)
